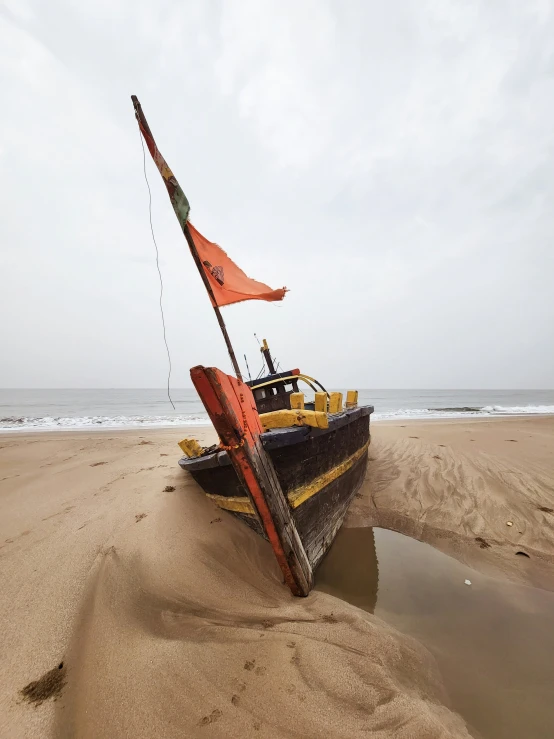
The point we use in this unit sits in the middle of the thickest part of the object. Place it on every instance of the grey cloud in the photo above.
(391, 164)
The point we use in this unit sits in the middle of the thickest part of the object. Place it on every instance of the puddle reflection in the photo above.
(493, 640)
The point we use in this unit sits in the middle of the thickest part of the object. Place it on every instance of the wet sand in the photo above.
(170, 618)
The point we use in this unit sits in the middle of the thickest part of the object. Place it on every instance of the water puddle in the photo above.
(493, 640)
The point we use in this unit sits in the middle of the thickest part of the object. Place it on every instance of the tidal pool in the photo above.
(493, 640)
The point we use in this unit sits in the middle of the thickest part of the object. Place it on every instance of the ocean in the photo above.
(46, 410)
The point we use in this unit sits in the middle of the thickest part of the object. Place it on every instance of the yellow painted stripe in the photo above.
(297, 496)
(239, 505)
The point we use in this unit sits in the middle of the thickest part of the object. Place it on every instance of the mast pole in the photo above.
(267, 356)
(181, 207)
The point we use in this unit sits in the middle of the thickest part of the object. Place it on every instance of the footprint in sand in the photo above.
(97, 464)
(260, 670)
(214, 716)
(514, 440)
(139, 517)
(544, 509)
(169, 489)
(250, 664)
(291, 690)
(413, 437)
(235, 700)
(216, 520)
(329, 619)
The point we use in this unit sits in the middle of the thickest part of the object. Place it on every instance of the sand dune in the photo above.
(170, 617)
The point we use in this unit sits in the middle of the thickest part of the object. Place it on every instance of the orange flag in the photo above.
(228, 282)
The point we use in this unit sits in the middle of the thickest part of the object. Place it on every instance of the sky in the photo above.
(391, 163)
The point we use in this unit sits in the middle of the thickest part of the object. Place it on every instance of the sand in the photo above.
(170, 617)
(459, 484)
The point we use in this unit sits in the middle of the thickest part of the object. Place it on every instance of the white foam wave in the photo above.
(516, 410)
(49, 423)
(488, 410)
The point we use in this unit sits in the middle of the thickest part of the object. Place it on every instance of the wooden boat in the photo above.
(287, 467)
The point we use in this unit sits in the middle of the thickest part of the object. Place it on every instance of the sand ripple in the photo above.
(186, 630)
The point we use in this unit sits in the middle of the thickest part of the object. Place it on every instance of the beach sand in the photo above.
(143, 610)
(459, 484)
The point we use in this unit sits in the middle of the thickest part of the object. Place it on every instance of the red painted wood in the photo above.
(232, 409)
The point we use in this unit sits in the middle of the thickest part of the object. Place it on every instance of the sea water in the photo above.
(44, 410)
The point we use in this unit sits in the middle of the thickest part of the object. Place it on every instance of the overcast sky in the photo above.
(391, 163)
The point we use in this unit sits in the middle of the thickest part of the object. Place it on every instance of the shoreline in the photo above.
(395, 422)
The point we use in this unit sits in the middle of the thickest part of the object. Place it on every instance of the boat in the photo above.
(286, 465)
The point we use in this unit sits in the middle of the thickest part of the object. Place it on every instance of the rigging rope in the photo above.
(158, 266)
(261, 372)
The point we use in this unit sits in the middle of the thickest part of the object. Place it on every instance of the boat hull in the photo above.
(319, 471)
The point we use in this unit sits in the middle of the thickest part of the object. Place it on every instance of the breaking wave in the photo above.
(51, 423)
(464, 412)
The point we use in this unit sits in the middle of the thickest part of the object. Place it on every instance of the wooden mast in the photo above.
(267, 356)
(192, 247)
(232, 409)
(181, 207)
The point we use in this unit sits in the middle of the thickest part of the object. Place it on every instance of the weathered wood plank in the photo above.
(319, 519)
(287, 418)
(300, 463)
(320, 401)
(335, 402)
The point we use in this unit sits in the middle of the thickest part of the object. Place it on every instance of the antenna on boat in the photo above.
(248, 368)
(182, 209)
(260, 373)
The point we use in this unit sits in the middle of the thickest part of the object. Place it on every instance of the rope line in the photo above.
(158, 266)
